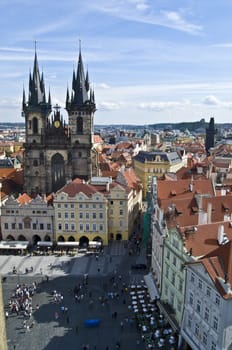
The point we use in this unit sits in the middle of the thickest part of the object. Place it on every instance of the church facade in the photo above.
(56, 152)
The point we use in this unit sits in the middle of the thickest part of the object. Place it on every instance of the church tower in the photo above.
(80, 106)
(211, 132)
(55, 152)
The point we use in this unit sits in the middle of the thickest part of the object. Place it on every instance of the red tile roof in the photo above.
(23, 199)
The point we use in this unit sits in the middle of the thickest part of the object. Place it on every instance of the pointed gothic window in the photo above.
(35, 125)
(79, 125)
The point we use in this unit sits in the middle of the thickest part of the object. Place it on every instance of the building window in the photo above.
(189, 323)
(59, 226)
(80, 206)
(120, 202)
(197, 329)
(167, 271)
(94, 227)
(208, 291)
(191, 298)
(173, 277)
(168, 254)
(66, 226)
(215, 323)
(80, 215)
(34, 226)
(27, 224)
(205, 338)
(217, 299)
(200, 284)
(66, 215)
(41, 226)
(59, 205)
(100, 206)
(213, 346)
(87, 227)
(94, 206)
(73, 227)
(120, 223)
(59, 215)
(174, 261)
(111, 202)
(72, 215)
(66, 205)
(206, 315)
(121, 212)
(6, 226)
(94, 215)
(100, 215)
(49, 227)
(87, 215)
(13, 226)
(198, 306)
(192, 277)
(72, 206)
(87, 206)
(81, 227)
(101, 227)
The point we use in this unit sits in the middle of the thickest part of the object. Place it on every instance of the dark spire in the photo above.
(37, 95)
(211, 132)
(80, 94)
(87, 81)
(67, 98)
(24, 99)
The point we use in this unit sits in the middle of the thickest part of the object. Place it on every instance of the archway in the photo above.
(58, 172)
(47, 238)
(71, 239)
(98, 239)
(10, 238)
(22, 238)
(36, 239)
(61, 239)
(118, 237)
(84, 242)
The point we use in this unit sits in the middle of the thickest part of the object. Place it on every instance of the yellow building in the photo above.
(155, 163)
(97, 211)
(80, 214)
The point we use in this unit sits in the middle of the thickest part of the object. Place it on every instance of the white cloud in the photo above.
(214, 101)
(108, 106)
(162, 105)
(145, 12)
(10, 103)
(102, 86)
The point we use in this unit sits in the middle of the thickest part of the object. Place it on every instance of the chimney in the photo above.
(209, 212)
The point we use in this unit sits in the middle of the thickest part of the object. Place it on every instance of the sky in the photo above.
(149, 61)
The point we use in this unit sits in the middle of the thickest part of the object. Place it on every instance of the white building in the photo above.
(207, 320)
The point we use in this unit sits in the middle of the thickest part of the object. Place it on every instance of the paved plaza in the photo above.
(59, 323)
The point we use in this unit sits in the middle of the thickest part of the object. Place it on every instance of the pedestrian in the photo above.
(121, 325)
(7, 314)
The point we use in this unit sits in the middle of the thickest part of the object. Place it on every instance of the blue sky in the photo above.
(149, 61)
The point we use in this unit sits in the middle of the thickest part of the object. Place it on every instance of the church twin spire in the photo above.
(81, 94)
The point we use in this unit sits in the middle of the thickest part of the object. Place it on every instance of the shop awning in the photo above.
(44, 244)
(14, 244)
(152, 289)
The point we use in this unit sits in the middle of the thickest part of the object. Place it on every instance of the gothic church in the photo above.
(56, 152)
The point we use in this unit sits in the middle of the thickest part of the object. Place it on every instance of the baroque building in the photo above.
(56, 151)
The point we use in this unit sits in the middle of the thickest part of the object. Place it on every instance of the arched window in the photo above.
(79, 125)
(35, 125)
(58, 172)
